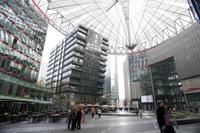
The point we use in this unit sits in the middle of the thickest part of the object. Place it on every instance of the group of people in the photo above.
(74, 118)
(96, 111)
(164, 118)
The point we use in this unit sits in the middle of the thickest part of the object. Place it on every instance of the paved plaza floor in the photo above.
(106, 124)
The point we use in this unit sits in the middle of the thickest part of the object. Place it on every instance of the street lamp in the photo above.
(153, 90)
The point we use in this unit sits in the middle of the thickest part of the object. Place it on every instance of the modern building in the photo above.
(139, 85)
(115, 86)
(106, 98)
(107, 84)
(126, 81)
(175, 69)
(77, 66)
(137, 65)
(23, 28)
(173, 73)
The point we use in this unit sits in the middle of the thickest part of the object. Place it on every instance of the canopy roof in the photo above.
(133, 24)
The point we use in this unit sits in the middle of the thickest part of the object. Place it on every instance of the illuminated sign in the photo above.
(147, 99)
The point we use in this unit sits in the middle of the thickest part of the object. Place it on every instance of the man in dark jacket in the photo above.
(160, 116)
(78, 119)
(73, 119)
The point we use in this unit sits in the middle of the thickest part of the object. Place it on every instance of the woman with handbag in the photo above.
(168, 121)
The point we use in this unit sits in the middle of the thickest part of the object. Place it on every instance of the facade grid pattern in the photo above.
(77, 66)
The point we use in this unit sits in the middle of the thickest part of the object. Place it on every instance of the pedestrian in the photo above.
(69, 118)
(160, 112)
(78, 118)
(93, 112)
(73, 125)
(83, 116)
(99, 112)
(136, 111)
(168, 121)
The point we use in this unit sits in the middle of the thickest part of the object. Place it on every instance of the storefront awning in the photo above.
(17, 99)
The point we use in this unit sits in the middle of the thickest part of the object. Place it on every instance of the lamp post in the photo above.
(153, 90)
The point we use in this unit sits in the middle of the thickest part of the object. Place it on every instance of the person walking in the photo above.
(78, 118)
(69, 118)
(99, 112)
(168, 120)
(93, 112)
(83, 116)
(160, 114)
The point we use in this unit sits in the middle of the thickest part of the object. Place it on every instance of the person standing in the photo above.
(78, 118)
(160, 113)
(168, 120)
(73, 119)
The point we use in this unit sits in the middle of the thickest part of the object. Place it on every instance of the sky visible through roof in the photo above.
(139, 23)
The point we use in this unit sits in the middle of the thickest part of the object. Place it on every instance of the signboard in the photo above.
(192, 90)
(147, 99)
(195, 8)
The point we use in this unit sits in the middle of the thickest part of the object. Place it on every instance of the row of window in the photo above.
(14, 90)
(18, 57)
(15, 43)
(18, 70)
(31, 10)
(14, 25)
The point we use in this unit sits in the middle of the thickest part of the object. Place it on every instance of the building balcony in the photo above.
(104, 48)
(79, 50)
(101, 80)
(105, 40)
(104, 53)
(74, 82)
(80, 55)
(74, 74)
(77, 69)
(102, 70)
(101, 75)
(77, 63)
(103, 64)
(69, 89)
(103, 59)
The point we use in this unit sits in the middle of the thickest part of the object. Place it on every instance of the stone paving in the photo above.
(106, 124)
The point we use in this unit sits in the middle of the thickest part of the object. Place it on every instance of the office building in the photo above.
(173, 66)
(126, 80)
(138, 73)
(23, 28)
(115, 86)
(175, 69)
(77, 66)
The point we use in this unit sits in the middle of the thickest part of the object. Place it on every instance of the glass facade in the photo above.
(167, 85)
(77, 66)
(137, 65)
(139, 73)
(140, 84)
(184, 48)
(23, 30)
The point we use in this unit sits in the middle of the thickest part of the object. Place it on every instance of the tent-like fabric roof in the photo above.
(136, 24)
